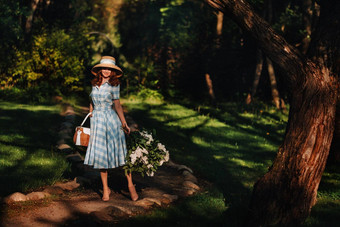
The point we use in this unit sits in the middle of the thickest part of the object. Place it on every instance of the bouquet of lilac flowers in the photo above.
(144, 153)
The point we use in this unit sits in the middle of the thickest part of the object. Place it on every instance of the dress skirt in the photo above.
(107, 145)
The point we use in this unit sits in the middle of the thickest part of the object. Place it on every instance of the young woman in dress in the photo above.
(107, 145)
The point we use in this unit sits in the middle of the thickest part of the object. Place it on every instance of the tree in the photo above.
(29, 20)
(286, 194)
(278, 102)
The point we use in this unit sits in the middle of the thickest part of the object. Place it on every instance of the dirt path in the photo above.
(83, 206)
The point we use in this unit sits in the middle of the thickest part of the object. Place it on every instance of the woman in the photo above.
(107, 146)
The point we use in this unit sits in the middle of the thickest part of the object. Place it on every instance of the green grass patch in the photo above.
(27, 136)
(327, 209)
(231, 146)
(201, 210)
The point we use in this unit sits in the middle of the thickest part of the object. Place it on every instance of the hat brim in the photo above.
(96, 68)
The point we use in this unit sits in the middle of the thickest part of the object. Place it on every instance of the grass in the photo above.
(230, 146)
(27, 136)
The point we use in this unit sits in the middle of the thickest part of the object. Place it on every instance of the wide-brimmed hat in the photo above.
(107, 62)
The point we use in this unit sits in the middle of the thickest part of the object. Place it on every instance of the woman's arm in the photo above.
(91, 108)
(119, 110)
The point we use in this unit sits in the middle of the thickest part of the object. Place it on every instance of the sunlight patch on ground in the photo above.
(10, 155)
(40, 162)
(218, 157)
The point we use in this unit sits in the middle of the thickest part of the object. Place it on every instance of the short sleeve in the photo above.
(115, 92)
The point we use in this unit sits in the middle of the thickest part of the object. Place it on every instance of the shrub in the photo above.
(54, 62)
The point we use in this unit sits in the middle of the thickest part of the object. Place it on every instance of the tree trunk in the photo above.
(287, 192)
(334, 155)
(219, 26)
(257, 75)
(278, 102)
(210, 87)
(29, 20)
(273, 85)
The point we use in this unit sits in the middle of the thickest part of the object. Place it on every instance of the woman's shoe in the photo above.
(106, 198)
(133, 193)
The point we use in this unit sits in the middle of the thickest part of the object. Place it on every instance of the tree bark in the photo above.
(286, 194)
(278, 102)
(29, 20)
(257, 75)
(210, 87)
(219, 26)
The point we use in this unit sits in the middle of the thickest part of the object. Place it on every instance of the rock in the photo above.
(190, 184)
(188, 192)
(152, 192)
(183, 167)
(101, 216)
(126, 210)
(165, 200)
(37, 195)
(155, 200)
(171, 164)
(53, 190)
(186, 173)
(63, 146)
(69, 186)
(144, 203)
(170, 197)
(114, 211)
(189, 177)
(15, 197)
(74, 158)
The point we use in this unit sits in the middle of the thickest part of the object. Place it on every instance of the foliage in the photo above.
(55, 63)
(149, 94)
(290, 24)
(145, 154)
(12, 32)
(165, 35)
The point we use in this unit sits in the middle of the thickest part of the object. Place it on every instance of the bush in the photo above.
(149, 94)
(54, 63)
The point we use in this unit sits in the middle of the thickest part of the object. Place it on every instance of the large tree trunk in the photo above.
(287, 192)
(334, 155)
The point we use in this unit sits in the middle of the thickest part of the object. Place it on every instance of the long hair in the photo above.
(114, 81)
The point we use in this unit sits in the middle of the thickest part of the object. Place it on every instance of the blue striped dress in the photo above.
(107, 146)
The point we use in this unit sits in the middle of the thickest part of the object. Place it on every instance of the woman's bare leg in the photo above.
(132, 189)
(106, 189)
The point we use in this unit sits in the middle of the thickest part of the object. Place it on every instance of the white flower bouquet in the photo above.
(144, 153)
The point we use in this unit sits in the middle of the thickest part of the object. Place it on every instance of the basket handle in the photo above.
(81, 125)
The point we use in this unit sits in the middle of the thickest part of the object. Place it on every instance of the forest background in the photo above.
(178, 51)
(176, 47)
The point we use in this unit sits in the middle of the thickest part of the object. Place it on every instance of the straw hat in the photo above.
(107, 62)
